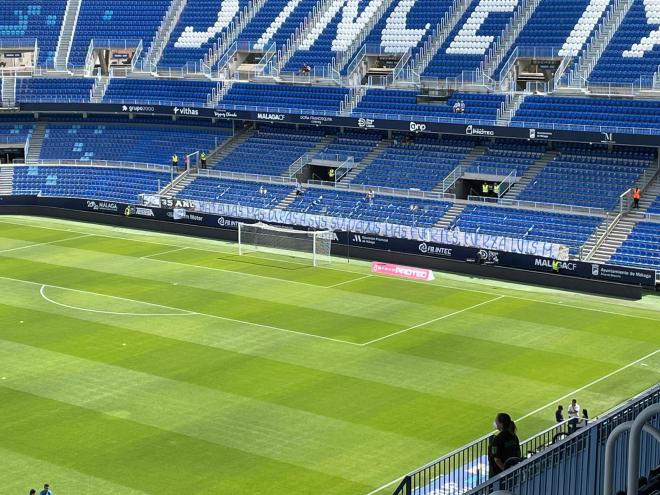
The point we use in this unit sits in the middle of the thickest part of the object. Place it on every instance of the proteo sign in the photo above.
(401, 271)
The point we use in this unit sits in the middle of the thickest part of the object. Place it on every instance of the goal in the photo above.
(312, 245)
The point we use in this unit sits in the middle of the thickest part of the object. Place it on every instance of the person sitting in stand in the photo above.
(462, 106)
(457, 107)
(299, 190)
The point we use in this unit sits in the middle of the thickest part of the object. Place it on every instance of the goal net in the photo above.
(310, 245)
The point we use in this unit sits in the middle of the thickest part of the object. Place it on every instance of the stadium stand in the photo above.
(587, 177)
(238, 192)
(464, 49)
(387, 209)
(569, 230)
(38, 89)
(160, 91)
(421, 164)
(641, 248)
(88, 182)
(123, 143)
(633, 52)
(506, 156)
(11, 133)
(275, 23)
(404, 104)
(654, 208)
(271, 150)
(352, 144)
(201, 24)
(325, 98)
(40, 19)
(118, 21)
(598, 113)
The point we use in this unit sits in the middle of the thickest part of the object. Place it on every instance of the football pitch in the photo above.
(143, 363)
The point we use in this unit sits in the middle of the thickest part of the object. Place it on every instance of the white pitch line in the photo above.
(434, 284)
(346, 282)
(44, 243)
(148, 256)
(552, 403)
(434, 320)
(187, 312)
(42, 292)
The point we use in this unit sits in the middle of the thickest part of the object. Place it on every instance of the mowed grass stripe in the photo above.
(319, 443)
(329, 394)
(18, 471)
(142, 457)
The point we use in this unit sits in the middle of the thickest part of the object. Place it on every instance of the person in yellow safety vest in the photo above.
(496, 189)
(555, 266)
(485, 188)
(175, 161)
(203, 159)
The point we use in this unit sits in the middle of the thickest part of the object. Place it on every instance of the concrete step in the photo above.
(164, 32)
(378, 150)
(614, 240)
(67, 32)
(290, 198)
(6, 180)
(531, 173)
(36, 143)
(222, 151)
(464, 163)
(449, 217)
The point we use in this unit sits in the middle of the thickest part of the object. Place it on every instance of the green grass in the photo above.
(131, 366)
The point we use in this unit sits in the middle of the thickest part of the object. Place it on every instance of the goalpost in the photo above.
(311, 245)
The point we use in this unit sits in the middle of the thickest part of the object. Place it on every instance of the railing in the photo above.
(537, 205)
(101, 163)
(299, 164)
(149, 60)
(576, 464)
(387, 191)
(219, 174)
(344, 168)
(452, 177)
(464, 469)
(506, 183)
(355, 63)
(486, 170)
(612, 223)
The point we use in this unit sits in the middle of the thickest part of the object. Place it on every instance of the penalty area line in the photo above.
(184, 312)
(549, 404)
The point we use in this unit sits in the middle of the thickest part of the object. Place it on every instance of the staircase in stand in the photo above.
(6, 180)
(463, 164)
(509, 36)
(650, 192)
(67, 31)
(510, 109)
(597, 45)
(449, 217)
(290, 198)
(163, 34)
(178, 185)
(222, 151)
(8, 91)
(440, 34)
(36, 142)
(613, 241)
(595, 238)
(531, 173)
(99, 89)
(378, 150)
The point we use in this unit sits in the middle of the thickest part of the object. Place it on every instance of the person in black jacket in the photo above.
(504, 445)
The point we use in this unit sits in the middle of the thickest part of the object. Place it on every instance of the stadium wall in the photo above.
(611, 281)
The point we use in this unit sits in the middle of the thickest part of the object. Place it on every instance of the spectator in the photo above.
(559, 414)
(203, 159)
(637, 194)
(33, 491)
(585, 417)
(573, 416)
(46, 490)
(370, 196)
(462, 107)
(175, 161)
(299, 190)
(457, 107)
(503, 446)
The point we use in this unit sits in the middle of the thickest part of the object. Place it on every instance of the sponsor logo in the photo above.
(368, 240)
(366, 123)
(142, 212)
(608, 137)
(595, 270)
(317, 119)
(434, 250)
(186, 111)
(532, 134)
(137, 108)
(563, 265)
(102, 206)
(271, 116)
(181, 214)
(486, 256)
(471, 130)
(225, 115)
(401, 271)
(224, 222)
(414, 127)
